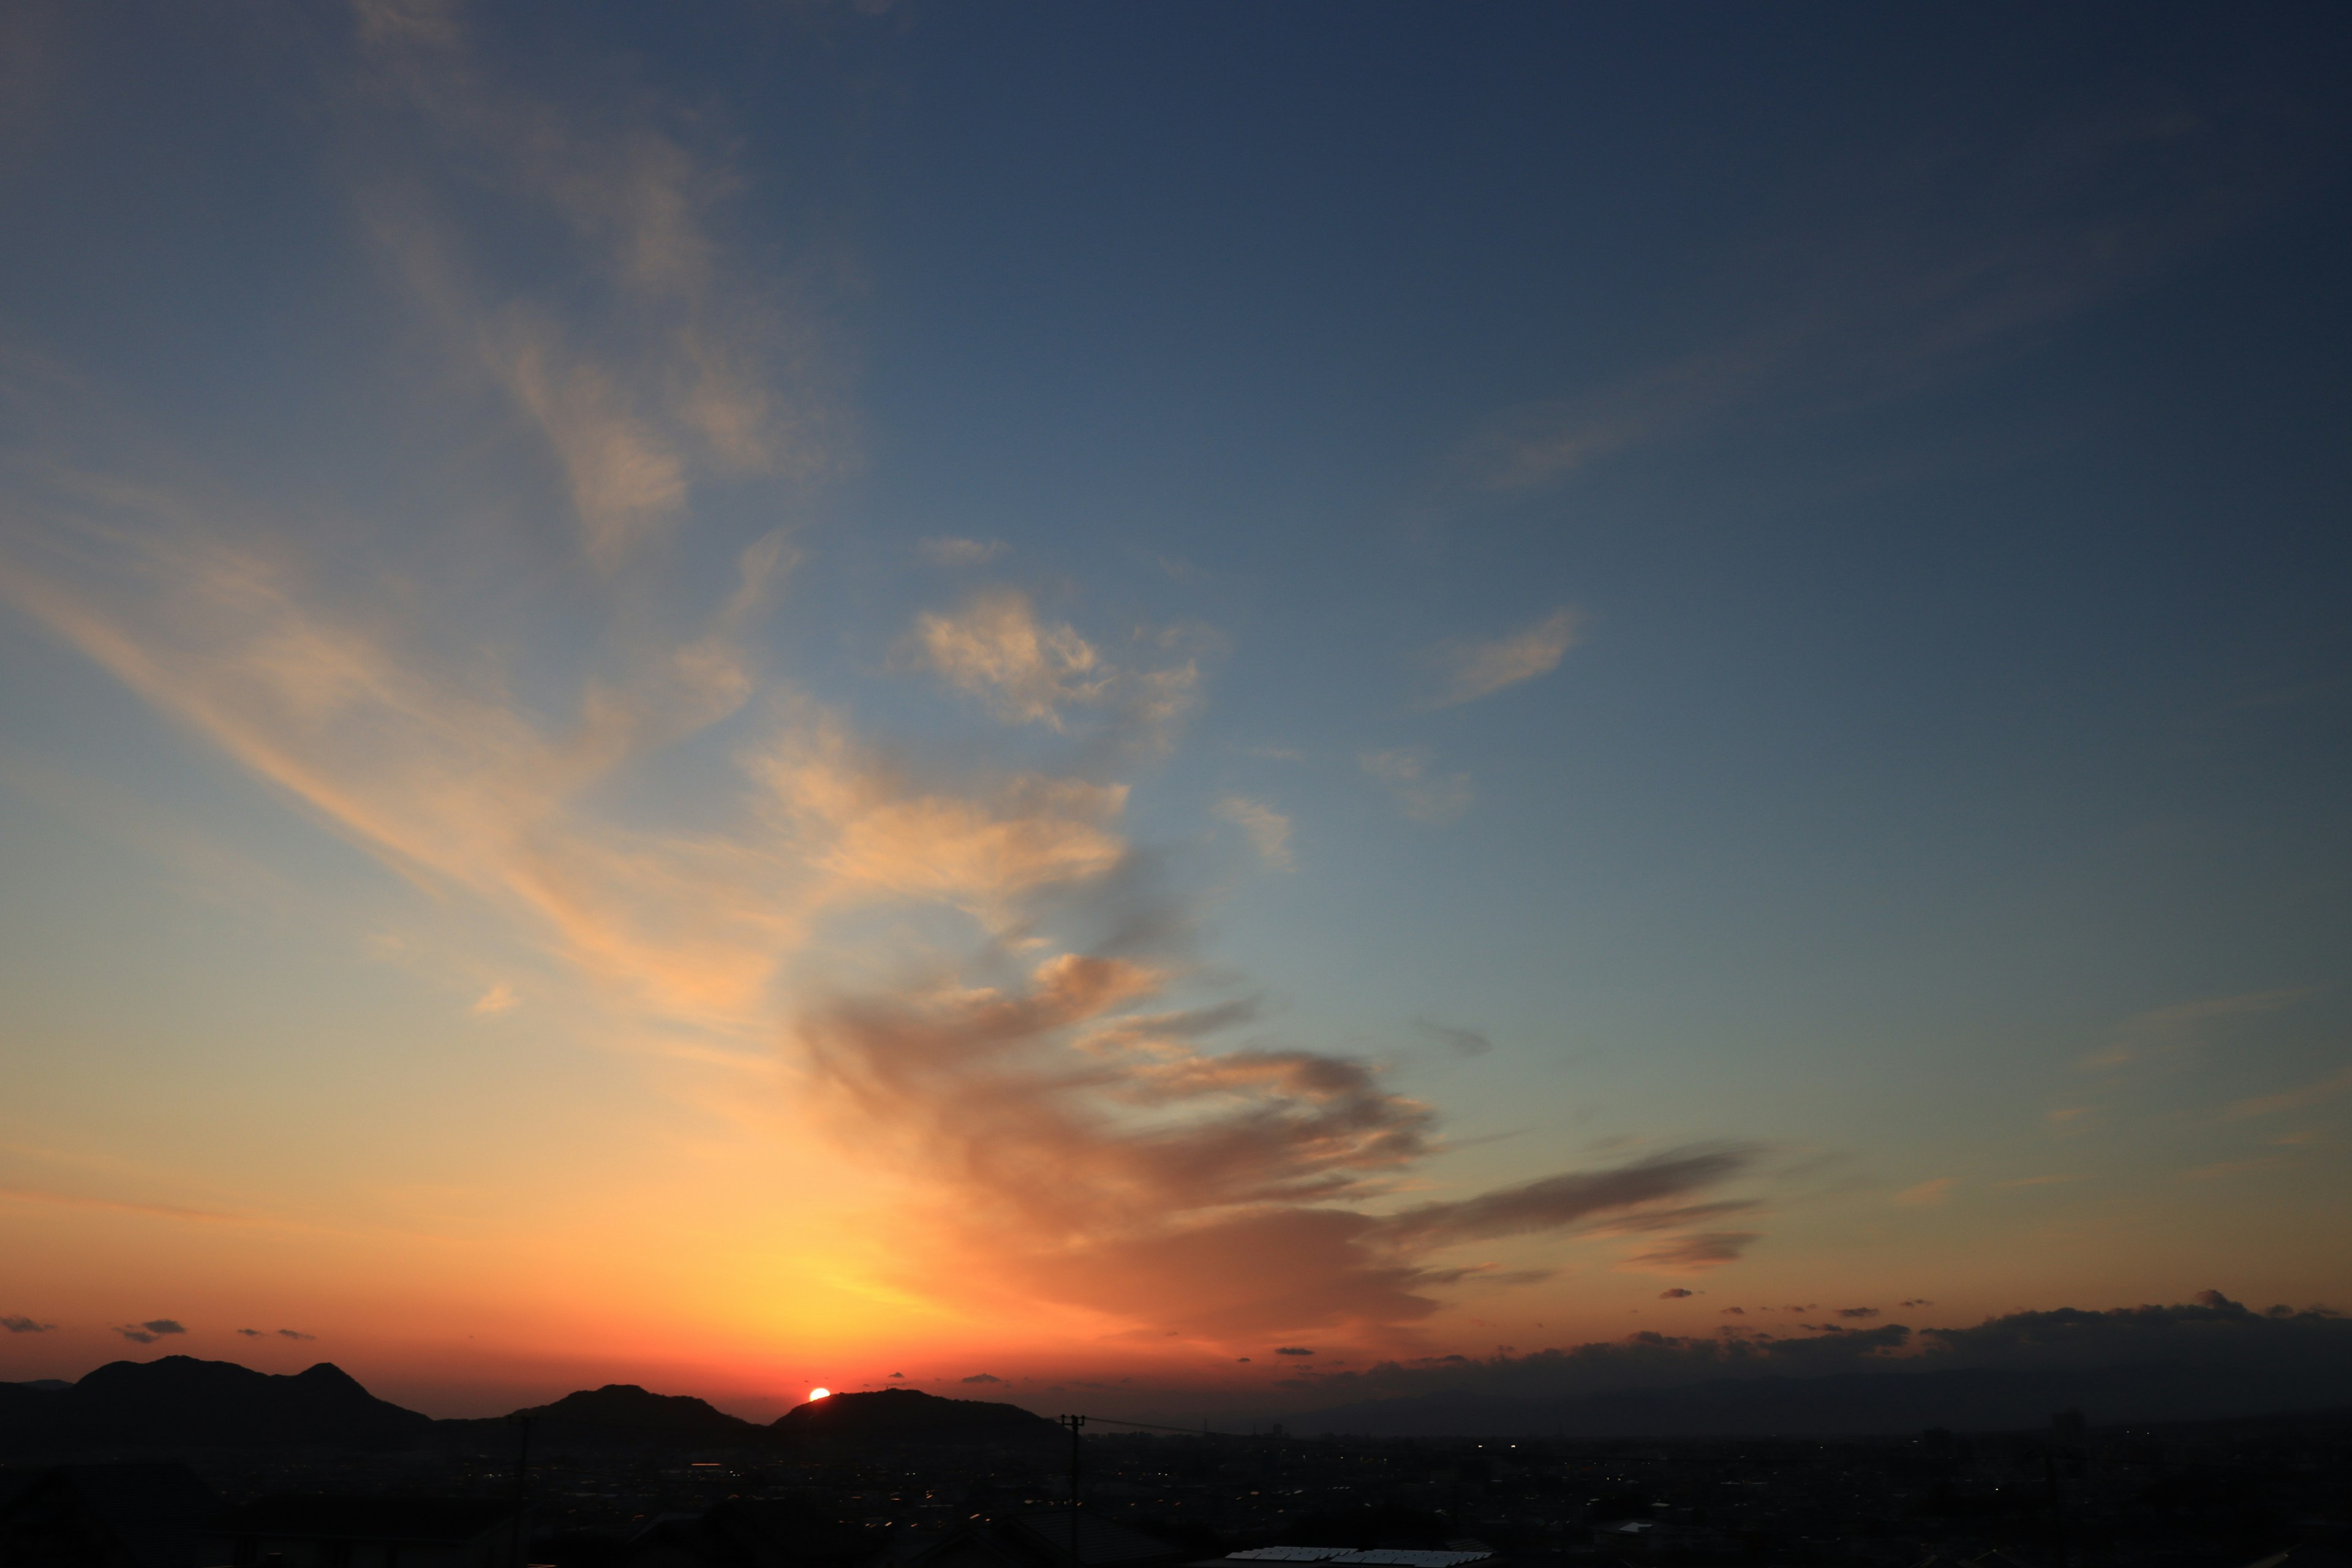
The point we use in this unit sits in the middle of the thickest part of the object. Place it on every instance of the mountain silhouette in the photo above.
(908, 1415)
(180, 1401)
(626, 1405)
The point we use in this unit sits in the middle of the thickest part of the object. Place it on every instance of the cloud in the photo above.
(1472, 671)
(1461, 1042)
(253, 1334)
(22, 1325)
(1909, 266)
(2291, 1099)
(295, 1334)
(1292, 1349)
(1926, 1194)
(498, 998)
(1734, 1312)
(1631, 1193)
(1858, 1313)
(148, 1333)
(1031, 672)
(686, 370)
(983, 1377)
(1674, 1293)
(1920, 1301)
(1424, 796)
(994, 647)
(1268, 829)
(2168, 1033)
(1136, 1171)
(897, 1374)
(1709, 1249)
(960, 552)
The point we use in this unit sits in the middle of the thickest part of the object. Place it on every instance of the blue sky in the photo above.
(595, 598)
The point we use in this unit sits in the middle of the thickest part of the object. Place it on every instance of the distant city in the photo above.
(182, 1463)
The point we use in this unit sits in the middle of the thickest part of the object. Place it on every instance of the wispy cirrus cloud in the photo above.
(1423, 793)
(1475, 669)
(677, 378)
(1267, 829)
(2291, 1099)
(951, 552)
(2163, 1034)
(1968, 256)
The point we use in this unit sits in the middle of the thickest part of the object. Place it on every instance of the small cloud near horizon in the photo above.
(500, 998)
(148, 1333)
(983, 1377)
(1857, 1311)
(21, 1325)
(1292, 1349)
(295, 1334)
(1674, 1293)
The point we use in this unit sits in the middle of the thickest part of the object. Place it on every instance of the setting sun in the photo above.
(817, 1394)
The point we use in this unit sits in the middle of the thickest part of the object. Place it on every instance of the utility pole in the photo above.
(1074, 1423)
(522, 1477)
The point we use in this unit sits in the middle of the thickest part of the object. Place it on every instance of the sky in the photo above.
(1177, 700)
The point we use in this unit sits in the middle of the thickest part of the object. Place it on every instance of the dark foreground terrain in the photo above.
(621, 1478)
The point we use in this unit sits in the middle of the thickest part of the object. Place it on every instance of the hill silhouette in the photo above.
(626, 1405)
(181, 1401)
(910, 1416)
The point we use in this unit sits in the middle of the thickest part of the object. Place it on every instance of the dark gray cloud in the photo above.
(983, 1377)
(2212, 1330)
(253, 1334)
(1674, 1293)
(18, 1325)
(2273, 1348)
(1556, 1203)
(295, 1334)
(148, 1333)
(1858, 1313)
(1292, 1349)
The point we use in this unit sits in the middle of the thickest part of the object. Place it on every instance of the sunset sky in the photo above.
(750, 695)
